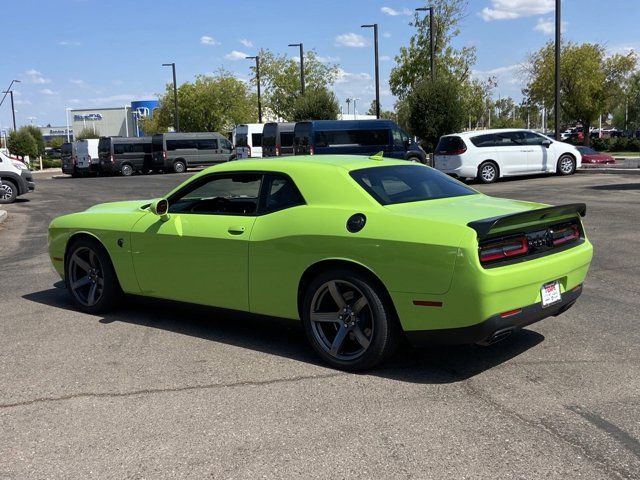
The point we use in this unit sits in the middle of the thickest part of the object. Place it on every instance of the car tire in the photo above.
(566, 165)
(90, 277)
(488, 172)
(179, 166)
(360, 329)
(8, 192)
(415, 159)
(126, 170)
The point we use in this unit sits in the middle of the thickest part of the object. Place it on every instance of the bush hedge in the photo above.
(616, 144)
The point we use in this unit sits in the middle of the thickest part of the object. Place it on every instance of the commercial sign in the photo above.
(78, 117)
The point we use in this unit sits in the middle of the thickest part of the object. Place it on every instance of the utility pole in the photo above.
(257, 59)
(377, 72)
(301, 64)
(355, 112)
(348, 100)
(176, 120)
(556, 109)
(431, 43)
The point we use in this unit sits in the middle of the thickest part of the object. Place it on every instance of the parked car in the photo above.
(69, 158)
(124, 155)
(277, 139)
(488, 155)
(53, 152)
(402, 249)
(176, 152)
(356, 137)
(247, 140)
(589, 155)
(87, 159)
(15, 179)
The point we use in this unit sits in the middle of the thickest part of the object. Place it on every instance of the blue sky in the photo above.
(100, 53)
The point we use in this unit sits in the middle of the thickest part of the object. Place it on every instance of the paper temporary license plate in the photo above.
(550, 293)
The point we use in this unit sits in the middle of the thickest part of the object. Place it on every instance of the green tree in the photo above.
(433, 109)
(413, 61)
(37, 136)
(626, 114)
(316, 104)
(280, 80)
(589, 80)
(56, 142)
(384, 114)
(22, 143)
(476, 98)
(87, 132)
(209, 104)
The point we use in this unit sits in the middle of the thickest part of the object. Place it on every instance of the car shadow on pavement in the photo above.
(286, 338)
(617, 186)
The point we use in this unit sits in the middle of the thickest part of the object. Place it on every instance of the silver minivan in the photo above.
(175, 152)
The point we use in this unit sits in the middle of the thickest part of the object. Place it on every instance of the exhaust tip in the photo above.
(497, 336)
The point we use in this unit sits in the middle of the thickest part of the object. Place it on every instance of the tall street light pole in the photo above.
(257, 59)
(176, 119)
(13, 108)
(431, 44)
(301, 64)
(556, 109)
(8, 90)
(375, 53)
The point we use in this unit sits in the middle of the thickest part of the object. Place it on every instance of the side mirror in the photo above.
(546, 143)
(160, 208)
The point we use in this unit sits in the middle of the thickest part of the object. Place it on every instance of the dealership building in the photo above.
(112, 122)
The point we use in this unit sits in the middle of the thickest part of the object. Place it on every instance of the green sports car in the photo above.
(363, 250)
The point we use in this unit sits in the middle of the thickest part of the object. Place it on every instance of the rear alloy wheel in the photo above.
(487, 172)
(347, 321)
(126, 170)
(566, 165)
(179, 167)
(8, 192)
(90, 277)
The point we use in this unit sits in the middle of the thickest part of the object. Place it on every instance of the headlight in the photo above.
(20, 165)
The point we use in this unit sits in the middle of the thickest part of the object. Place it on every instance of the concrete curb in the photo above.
(619, 171)
(3, 216)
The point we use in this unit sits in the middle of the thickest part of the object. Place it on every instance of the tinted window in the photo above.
(269, 135)
(488, 140)
(408, 183)
(104, 146)
(207, 144)
(222, 195)
(450, 144)
(118, 148)
(533, 138)
(226, 144)
(158, 143)
(281, 193)
(509, 139)
(241, 140)
(286, 139)
(182, 144)
(351, 137)
(302, 132)
(256, 139)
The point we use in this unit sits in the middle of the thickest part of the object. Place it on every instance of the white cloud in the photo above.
(34, 76)
(207, 40)
(236, 55)
(246, 43)
(350, 40)
(385, 58)
(386, 35)
(547, 26)
(348, 77)
(113, 99)
(47, 91)
(69, 43)
(510, 9)
(327, 59)
(78, 82)
(394, 13)
(22, 102)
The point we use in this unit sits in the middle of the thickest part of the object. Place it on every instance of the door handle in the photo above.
(236, 230)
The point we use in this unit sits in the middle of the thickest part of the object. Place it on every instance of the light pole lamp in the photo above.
(176, 119)
(301, 64)
(431, 44)
(375, 55)
(257, 59)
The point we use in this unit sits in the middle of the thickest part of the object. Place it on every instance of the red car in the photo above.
(589, 155)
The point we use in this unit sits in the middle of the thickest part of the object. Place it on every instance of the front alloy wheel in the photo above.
(347, 320)
(8, 192)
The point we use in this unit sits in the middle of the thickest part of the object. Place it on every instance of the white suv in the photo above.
(490, 154)
(15, 179)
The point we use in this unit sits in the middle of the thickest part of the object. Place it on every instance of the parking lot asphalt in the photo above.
(160, 390)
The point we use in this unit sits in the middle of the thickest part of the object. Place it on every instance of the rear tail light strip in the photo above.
(513, 247)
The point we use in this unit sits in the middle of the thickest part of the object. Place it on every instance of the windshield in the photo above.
(408, 183)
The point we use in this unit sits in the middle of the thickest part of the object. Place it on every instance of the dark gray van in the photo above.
(69, 158)
(355, 137)
(277, 139)
(124, 155)
(175, 152)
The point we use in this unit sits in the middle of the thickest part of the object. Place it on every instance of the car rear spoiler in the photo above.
(487, 225)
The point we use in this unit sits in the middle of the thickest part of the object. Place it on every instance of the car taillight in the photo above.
(111, 158)
(277, 150)
(457, 151)
(509, 248)
(75, 160)
(310, 149)
(565, 235)
(164, 154)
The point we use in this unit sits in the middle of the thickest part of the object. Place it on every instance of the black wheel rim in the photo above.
(86, 276)
(341, 320)
(6, 192)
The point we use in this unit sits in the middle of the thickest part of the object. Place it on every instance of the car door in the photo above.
(199, 253)
(398, 145)
(538, 156)
(512, 152)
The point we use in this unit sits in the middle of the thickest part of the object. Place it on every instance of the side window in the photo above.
(533, 138)
(485, 140)
(118, 148)
(398, 141)
(281, 193)
(226, 144)
(235, 194)
(509, 139)
(256, 139)
(208, 144)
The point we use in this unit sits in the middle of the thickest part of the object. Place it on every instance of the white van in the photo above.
(247, 140)
(15, 179)
(491, 154)
(87, 155)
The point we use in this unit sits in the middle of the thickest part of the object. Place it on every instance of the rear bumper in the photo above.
(494, 328)
(460, 171)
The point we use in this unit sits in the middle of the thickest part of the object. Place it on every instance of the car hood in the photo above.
(120, 207)
(465, 209)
